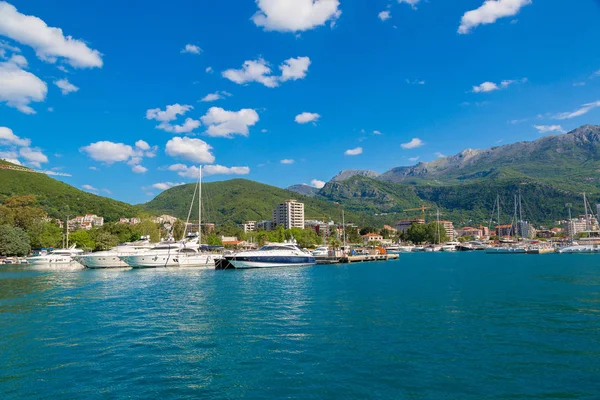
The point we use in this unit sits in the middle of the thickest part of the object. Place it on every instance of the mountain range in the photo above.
(549, 173)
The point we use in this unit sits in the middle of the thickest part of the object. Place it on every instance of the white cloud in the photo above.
(307, 117)
(166, 185)
(90, 188)
(413, 144)
(65, 86)
(35, 157)
(142, 145)
(384, 15)
(221, 170)
(193, 171)
(295, 15)
(439, 155)
(353, 152)
(19, 60)
(584, 109)
(252, 71)
(264, 130)
(377, 133)
(194, 150)
(215, 96)
(287, 161)
(109, 152)
(222, 123)
(19, 88)
(260, 71)
(317, 183)
(170, 113)
(138, 169)
(415, 82)
(209, 70)
(490, 12)
(7, 137)
(549, 128)
(10, 156)
(486, 87)
(191, 49)
(412, 3)
(294, 68)
(413, 159)
(49, 43)
(579, 84)
(94, 168)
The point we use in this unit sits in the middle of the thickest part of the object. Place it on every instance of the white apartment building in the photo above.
(249, 226)
(289, 214)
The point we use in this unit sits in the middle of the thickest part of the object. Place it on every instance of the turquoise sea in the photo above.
(429, 326)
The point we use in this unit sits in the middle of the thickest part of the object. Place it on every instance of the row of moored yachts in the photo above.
(504, 248)
(188, 253)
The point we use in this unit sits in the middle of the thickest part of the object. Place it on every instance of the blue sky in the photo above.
(352, 85)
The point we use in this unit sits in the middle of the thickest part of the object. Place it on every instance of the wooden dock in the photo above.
(345, 259)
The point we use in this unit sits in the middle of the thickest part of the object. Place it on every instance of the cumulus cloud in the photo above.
(7, 137)
(486, 87)
(191, 49)
(193, 171)
(549, 128)
(439, 155)
(49, 43)
(294, 68)
(307, 117)
(19, 60)
(209, 70)
(19, 88)
(490, 12)
(171, 113)
(34, 157)
(377, 133)
(384, 15)
(584, 109)
(414, 81)
(194, 150)
(215, 96)
(10, 156)
(222, 123)
(413, 144)
(111, 152)
(260, 71)
(166, 185)
(353, 152)
(295, 15)
(317, 183)
(287, 161)
(65, 86)
(413, 159)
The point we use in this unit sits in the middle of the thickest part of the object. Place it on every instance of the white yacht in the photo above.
(269, 256)
(165, 254)
(199, 259)
(580, 249)
(110, 258)
(56, 257)
(450, 246)
(321, 251)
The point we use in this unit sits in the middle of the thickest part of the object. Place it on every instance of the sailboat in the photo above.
(199, 258)
(585, 245)
(506, 248)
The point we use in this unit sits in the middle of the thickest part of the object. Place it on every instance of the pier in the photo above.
(346, 259)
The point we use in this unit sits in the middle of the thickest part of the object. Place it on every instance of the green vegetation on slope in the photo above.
(58, 199)
(240, 200)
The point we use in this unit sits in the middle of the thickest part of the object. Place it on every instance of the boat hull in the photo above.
(500, 250)
(151, 261)
(104, 261)
(199, 261)
(270, 262)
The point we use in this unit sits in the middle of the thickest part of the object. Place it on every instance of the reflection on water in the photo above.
(460, 326)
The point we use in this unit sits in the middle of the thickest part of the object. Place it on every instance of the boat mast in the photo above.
(343, 230)
(200, 206)
(587, 218)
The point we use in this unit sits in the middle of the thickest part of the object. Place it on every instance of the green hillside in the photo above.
(58, 199)
(240, 200)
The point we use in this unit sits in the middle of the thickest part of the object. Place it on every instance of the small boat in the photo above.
(56, 257)
(269, 256)
(419, 249)
(321, 251)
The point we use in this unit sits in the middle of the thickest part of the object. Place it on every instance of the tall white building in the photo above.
(289, 214)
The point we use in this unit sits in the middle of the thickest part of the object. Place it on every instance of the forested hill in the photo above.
(59, 199)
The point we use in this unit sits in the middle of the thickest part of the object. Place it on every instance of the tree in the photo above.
(334, 243)
(353, 236)
(436, 233)
(105, 240)
(14, 241)
(82, 239)
(178, 229)
(417, 233)
(213, 240)
(368, 229)
(262, 238)
(45, 234)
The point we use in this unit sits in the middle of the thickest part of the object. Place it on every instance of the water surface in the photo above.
(429, 326)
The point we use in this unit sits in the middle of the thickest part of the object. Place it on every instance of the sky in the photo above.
(130, 98)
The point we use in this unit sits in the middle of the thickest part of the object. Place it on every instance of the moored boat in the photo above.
(269, 256)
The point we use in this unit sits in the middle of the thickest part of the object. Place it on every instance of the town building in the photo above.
(372, 237)
(265, 225)
(525, 230)
(86, 222)
(165, 219)
(475, 233)
(289, 214)
(504, 230)
(403, 225)
(248, 226)
(449, 228)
